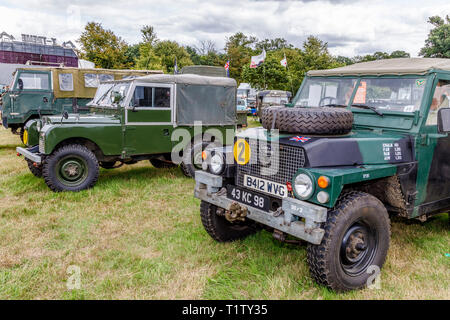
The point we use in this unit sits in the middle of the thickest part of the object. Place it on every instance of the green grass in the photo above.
(137, 235)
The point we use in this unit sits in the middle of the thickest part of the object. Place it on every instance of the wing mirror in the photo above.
(443, 120)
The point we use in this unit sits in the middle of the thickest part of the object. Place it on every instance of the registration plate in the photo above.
(266, 186)
(248, 198)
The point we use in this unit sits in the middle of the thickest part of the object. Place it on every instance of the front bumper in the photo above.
(300, 219)
(30, 154)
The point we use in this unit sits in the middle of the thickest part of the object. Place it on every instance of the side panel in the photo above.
(107, 136)
(339, 177)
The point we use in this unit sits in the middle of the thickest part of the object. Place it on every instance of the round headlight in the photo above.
(303, 185)
(217, 164)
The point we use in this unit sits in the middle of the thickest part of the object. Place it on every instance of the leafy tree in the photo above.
(103, 47)
(272, 75)
(162, 56)
(239, 49)
(269, 75)
(437, 45)
(148, 35)
(273, 44)
(399, 54)
(132, 54)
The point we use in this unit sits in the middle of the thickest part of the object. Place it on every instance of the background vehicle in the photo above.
(269, 98)
(360, 142)
(51, 90)
(134, 120)
(241, 112)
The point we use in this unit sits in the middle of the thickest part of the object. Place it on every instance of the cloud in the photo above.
(350, 27)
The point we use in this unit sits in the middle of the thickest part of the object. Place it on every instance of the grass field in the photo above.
(138, 235)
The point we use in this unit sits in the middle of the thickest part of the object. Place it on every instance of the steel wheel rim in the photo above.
(72, 170)
(358, 248)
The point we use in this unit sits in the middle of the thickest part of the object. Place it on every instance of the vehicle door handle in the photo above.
(166, 132)
(45, 100)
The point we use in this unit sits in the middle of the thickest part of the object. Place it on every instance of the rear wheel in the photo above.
(220, 229)
(71, 168)
(160, 164)
(192, 158)
(36, 170)
(355, 244)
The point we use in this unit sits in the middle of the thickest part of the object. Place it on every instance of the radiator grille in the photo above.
(290, 159)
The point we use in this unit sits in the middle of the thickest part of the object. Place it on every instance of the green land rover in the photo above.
(358, 144)
(38, 90)
(132, 120)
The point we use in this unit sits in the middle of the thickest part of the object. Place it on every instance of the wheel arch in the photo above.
(88, 143)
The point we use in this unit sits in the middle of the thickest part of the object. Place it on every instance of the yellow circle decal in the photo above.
(242, 151)
(25, 137)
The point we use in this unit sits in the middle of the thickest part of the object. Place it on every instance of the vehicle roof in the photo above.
(274, 93)
(186, 79)
(398, 66)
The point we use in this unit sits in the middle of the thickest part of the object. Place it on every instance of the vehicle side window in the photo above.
(92, 80)
(440, 100)
(33, 81)
(65, 81)
(151, 97)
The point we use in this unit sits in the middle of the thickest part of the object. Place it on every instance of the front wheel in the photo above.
(355, 244)
(71, 168)
(220, 229)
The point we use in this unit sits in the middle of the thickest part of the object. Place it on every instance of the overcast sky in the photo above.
(350, 27)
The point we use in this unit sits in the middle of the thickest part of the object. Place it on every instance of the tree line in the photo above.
(108, 50)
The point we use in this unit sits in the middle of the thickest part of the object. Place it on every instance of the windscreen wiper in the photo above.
(363, 106)
(102, 97)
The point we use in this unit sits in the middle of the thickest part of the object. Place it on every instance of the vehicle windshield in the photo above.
(392, 94)
(103, 95)
(241, 102)
(319, 92)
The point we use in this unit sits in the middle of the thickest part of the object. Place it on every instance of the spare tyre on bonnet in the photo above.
(324, 120)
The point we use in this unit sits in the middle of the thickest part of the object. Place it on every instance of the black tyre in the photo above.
(267, 116)
(355, 244)
(220, 229)
(21, 135)
(157, 163)
(35, 170)
(71, 168)
(323, 120)
(192, 157)
(107, 164)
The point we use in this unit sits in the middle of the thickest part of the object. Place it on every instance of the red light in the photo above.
(289, 186)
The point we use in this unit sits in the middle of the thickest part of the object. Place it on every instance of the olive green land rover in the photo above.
(357, 145)
(156, 118)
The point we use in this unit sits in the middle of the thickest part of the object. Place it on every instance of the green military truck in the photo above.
(38, 90)
(359, 143)
(133, 120)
